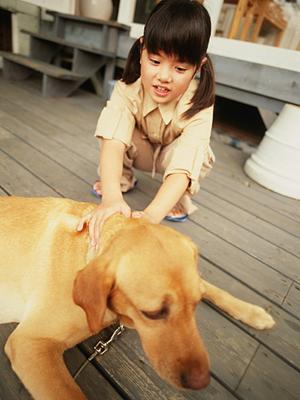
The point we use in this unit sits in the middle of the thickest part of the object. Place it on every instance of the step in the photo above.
(68, 43)
(41, 66)
(88, 20)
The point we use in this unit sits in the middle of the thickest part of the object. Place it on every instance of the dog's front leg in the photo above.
(252, 315)
(39, 364)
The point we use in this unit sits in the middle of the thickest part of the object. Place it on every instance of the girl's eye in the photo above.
(180, 69)
(153, 61)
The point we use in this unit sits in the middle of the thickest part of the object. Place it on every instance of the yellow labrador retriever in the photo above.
(62, 292)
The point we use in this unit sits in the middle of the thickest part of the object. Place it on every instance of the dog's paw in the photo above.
(258, 318)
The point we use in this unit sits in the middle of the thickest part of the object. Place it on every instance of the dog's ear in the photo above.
(91, 289)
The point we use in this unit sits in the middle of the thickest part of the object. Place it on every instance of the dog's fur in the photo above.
(62, 291)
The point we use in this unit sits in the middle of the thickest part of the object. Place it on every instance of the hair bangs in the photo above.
(176, 31)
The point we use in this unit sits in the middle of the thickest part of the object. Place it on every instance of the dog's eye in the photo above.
(160, 314)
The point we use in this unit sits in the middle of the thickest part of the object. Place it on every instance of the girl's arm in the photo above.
(111, 164)
(170, 192)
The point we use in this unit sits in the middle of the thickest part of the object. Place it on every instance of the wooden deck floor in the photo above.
(249, 241)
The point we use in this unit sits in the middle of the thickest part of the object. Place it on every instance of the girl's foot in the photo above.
(177, 214)
(96, 189)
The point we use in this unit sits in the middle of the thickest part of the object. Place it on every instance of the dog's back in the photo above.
(42, 232)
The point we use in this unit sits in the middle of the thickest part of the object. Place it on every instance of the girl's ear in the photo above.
(197, 73)
(141, 40)
(203, 61)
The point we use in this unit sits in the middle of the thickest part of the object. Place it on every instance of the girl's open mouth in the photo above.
(161, 90)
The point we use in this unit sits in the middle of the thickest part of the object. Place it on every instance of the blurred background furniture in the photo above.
(254, 13)
(72, 50)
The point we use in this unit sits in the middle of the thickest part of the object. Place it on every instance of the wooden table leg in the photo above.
(248, 21)
(239, 12)
(261, 6)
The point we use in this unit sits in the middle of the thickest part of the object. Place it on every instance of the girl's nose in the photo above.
(164, 74)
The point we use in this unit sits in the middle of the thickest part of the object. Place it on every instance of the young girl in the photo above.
(159, 117)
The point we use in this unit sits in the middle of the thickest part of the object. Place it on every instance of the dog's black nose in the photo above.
(195, 378)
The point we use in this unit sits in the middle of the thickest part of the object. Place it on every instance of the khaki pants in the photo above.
(148, 157)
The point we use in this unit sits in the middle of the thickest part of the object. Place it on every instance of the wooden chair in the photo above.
(257, 12)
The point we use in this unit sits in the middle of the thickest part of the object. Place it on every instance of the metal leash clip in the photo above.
(100, 348)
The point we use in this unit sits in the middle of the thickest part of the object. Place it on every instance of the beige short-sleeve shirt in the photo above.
(130, 107)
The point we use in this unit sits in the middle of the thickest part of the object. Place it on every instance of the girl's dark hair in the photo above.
(179, 28)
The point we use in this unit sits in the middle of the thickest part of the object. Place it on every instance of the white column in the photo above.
(214, 8)
(126, 11)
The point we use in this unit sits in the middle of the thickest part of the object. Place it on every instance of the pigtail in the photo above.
(132, 69)
(204, 96)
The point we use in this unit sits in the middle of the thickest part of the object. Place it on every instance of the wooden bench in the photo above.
(91, 46)
(67, 43)
(30, 64)
(56, 80)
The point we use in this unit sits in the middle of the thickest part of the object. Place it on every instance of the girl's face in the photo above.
(165, 78)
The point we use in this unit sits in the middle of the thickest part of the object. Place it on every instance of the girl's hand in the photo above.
(97, 217)
(143, 214)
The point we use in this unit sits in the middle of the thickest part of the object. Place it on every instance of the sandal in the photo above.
(179, 218)
(177, 214)
(96, 192)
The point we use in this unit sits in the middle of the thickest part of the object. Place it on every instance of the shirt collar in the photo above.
(166, 109)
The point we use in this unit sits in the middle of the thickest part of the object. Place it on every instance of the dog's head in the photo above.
(147, 274)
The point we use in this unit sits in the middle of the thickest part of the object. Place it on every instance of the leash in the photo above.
(100, 348)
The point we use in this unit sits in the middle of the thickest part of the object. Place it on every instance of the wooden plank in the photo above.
(16, 180)
(230, 162)
(268, 377)
(126, 364)
(226, 192)
(85, 100)
(57, 177)
(222, 337)
(44, 144)
(292, 300)
(262, 229)
(92, 383)
(260, 197)
(41, 66)
(64, 138)
(56, 87)
(86, 106)
(53, 111)
(250, 98)
(278, 259)
(257, 78)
